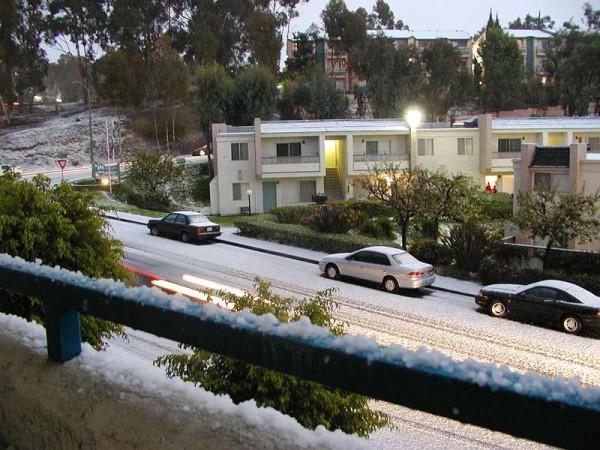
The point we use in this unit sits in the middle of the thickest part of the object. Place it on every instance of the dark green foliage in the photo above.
(377, 227)
(431, 251)
(312, 97)
(332, 218)
(293, 214)
(310, 403)
(119, 78)
(143, 124)
(59, 226)
(201, 190)
(254, 95)
(264, 227)
(303, 61)
(470, 243)
(126, 194)
(497, 206)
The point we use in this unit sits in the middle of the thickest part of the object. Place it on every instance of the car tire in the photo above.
(498, 309)
(154, 231)
(185, 237)
(332, 272)
(390, 285)
(571, 324)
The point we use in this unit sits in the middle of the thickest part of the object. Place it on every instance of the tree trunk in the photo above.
(167, 135)
(4, 111)
(156, 129)
(547, 254)
(403, 232)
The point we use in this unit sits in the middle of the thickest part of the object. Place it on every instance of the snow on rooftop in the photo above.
(569, 391)
(332, 126)
(538, 123)
(538, 34)
(422, 34)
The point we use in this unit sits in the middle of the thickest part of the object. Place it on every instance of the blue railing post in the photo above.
(63, 332)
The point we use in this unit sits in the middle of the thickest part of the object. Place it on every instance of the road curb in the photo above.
(280, 254)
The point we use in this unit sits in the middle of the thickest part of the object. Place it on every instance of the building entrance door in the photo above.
(269, 196)
(331, 154)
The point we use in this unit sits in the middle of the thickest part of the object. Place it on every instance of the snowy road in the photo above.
(446, 322)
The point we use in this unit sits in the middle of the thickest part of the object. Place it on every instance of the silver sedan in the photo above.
(391, 267)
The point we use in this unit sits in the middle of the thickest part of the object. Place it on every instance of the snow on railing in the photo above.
(554, 411)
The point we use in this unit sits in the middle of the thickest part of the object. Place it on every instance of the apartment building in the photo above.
(532, 44)
(286, 162)
(570, 168)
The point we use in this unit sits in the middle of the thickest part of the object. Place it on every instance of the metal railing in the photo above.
(290, 159)
(365, 157)
(369, 370)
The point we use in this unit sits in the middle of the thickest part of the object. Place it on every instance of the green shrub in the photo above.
(332, 218)
(157, 202)
(371, 208)
(264, 227)
(201, 190)
(497, 206)
(378, 227)
(430, 251)
(293, 214)
(493, 270)
(470, 243)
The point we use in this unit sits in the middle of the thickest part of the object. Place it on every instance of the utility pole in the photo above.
(89, 102)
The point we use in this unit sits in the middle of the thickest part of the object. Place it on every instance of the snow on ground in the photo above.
(38, 146)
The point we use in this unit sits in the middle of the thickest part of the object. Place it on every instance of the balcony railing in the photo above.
(364, 157)
(290, 159)
(537, 408)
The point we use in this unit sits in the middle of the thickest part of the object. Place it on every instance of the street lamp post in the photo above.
(413, 118)
(249, 192)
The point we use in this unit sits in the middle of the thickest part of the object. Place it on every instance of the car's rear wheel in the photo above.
(498, 309)
(390, 284)
(185, 237)
(571, 324)
(332, 271)
(154, 231)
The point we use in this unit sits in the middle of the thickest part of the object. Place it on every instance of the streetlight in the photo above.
(413, 118)
(249, 192)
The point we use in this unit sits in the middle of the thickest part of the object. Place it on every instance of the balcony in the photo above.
(290, 164)
(362, 162)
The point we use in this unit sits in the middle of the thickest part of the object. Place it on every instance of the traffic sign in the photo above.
(62, 163)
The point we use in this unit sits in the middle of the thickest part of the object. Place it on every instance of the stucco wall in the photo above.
(113, 400)
(309, 145)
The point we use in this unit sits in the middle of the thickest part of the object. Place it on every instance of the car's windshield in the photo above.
(197, 219)
(404, 258)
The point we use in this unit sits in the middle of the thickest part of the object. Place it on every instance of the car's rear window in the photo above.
(197, 219)
(404, 258)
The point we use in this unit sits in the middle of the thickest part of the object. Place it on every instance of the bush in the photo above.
(371, 208)
(378, 227)
(497, 206)
(430, 251)
(293, 214)
(494, 271)
(264, 227)
(152, 202)
(61, 227)
(470, 243)
(201, 190)
(332, 218)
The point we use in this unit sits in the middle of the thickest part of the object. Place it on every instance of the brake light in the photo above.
(201, 230)
(416, 274)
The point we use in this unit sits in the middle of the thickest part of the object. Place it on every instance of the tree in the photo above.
(263, 40)
(502, 62)
(58, 226)
(558, 217)
(303, 61)
(310, 403)
(333, 18)
(62, 78)
(447, 80)
(314, 97)
(214, 88)
(118, 78)
(404, 192)
(254, 95)
(382, 17)
(592, 16)
(532, 23)
(152, 175)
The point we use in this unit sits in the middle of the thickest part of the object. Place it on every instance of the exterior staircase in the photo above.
(333, 185)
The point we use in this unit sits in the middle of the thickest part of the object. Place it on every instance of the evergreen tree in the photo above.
(254, 95)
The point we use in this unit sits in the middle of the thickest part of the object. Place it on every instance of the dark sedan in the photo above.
(558, 302)
(189, 226)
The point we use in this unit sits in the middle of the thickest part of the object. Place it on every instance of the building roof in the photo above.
(537, 34)
(332, 126)
(422, 34)
(543, 123)
(557, 157)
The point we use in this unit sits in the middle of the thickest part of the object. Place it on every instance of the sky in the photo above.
(465, 15)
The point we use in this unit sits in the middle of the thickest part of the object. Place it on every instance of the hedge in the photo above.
(573, 262)
(264, 227)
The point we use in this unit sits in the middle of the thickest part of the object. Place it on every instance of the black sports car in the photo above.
(188, 226)
(558, 302)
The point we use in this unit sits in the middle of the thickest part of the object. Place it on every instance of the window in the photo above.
(307, 190)
(380, 258)
(170, 218)
(361, 257)
(594, 144)
(509, 145)
(405, 258)
(239, 190)
(239, 152)
(564, 297)
(342, 64)
(425, 147)
(285, 150)
(542, 181)
(372, 148)
(465, 146)
(181, 219)
(541, 293)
